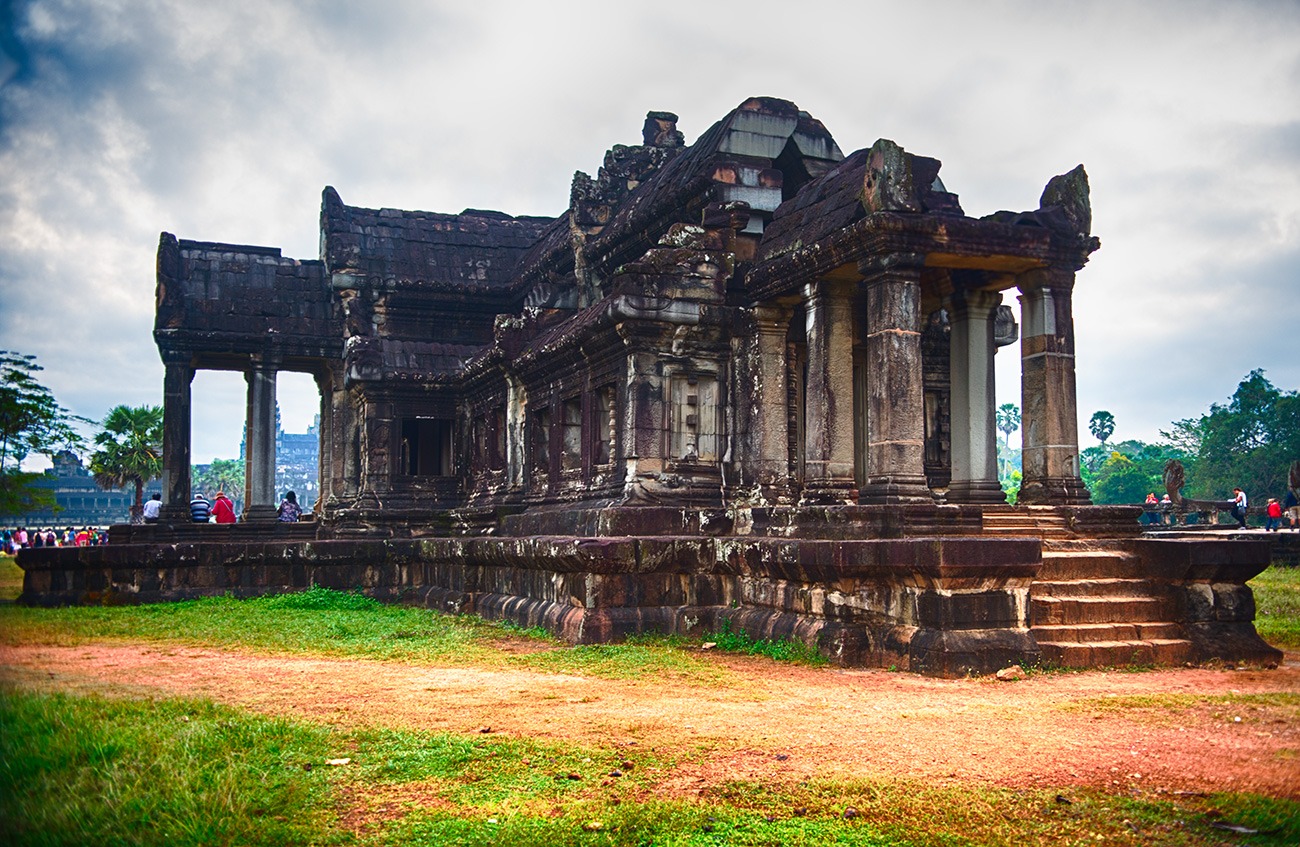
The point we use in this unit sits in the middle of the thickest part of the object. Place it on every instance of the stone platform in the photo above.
(944, 605)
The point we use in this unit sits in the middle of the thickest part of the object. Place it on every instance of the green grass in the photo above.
(94, 770)
(780, 649)
(11, 578)
(320, 621)
(1277, 606)
(1228, 708)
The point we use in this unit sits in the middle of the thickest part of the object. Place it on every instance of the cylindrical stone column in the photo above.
(1049, 409)
(974, 441)
(177, 376)
(259, 445)
(828, 405)
(895, 383)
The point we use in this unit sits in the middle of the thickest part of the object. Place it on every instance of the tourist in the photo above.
(223, 510)
(289, 511)
(21, 537)
(153, 509)
(38, 540)
(1291, 504)
(83, 537)
(1274, 515)
(200, 509)
(1240, 503)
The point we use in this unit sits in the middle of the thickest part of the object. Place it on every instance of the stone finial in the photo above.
(1069, 192)
(660, 130)
(889, 184)
(1174, 477)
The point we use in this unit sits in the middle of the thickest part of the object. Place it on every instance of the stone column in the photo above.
(768, 446)
(1049, 410)
(828, 405)
(895, 383)
(259, 445)
(974, 441)
(325, 438)
(177, 376)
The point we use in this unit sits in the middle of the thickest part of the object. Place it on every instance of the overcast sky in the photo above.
(223, 121)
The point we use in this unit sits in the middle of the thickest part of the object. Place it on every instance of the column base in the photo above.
(260, 514)
(829, 493)
(976, 491)
(1054, 491)
(895, 489)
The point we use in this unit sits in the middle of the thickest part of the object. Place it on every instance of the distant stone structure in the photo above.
(746, 381)
(78, 499)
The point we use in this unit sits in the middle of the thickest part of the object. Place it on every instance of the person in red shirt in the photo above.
(1274, 515)
(223, 509)
(83, 537)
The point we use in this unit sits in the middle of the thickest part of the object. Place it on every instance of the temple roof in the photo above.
(475, 249)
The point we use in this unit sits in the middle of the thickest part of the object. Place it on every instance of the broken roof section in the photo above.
(474, 251)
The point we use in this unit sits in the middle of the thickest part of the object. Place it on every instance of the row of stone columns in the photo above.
(260, 501)
(895, 438)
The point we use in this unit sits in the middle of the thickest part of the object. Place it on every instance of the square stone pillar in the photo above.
(1049, 408)
(767, 447)
(260, 499)
(974, 441)
(177, 377)
(325, 472)
(828, 404)
(895, 383)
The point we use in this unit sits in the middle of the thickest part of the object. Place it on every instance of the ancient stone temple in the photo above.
(746, 381)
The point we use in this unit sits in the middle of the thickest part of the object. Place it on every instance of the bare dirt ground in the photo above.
(774, 722)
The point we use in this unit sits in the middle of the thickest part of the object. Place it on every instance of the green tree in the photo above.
(1008, 421)
(1101, 425)
(222, 475)
(130, 450)
(31, 421)
(1122, 480)
(1250, 442)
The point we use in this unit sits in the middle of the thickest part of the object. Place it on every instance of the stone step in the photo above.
(1046, 611)
(1103, 587)
(1156, 651)
(1091, 633)
(1087, 564)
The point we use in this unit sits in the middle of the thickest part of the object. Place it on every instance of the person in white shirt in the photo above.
(1239, 505)
(152, 509)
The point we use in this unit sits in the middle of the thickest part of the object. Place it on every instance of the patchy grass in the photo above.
(1283, 707)
(1277, 606)
(779, 649)
(98, 770)
(341, 624)
(11, 578)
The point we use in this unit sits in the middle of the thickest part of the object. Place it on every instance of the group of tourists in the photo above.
(1273, 511)
(221, 509)
(13, 540)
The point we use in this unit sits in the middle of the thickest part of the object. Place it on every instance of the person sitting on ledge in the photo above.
(200, 509)
(223, 509)
(289, 511)
(152, 509)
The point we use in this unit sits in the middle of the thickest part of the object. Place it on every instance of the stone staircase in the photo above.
(1033, 521)
(1091, 608)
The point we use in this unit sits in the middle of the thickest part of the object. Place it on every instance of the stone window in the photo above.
(541, 441)
(426, 447)
(603, 431)
(498, 457)
(571, 419)
(694, 418)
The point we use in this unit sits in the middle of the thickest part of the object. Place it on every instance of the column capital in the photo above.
(877, 269)
(975, 302)
(1052, 277)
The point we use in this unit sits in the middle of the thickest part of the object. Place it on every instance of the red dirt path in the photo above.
(1042, 731)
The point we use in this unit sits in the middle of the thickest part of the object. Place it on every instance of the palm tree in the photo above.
(1101, 425)
(130, 450)
(1008, 421)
